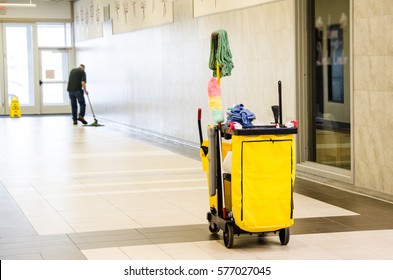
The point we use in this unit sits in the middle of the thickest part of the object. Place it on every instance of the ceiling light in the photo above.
(22, 5)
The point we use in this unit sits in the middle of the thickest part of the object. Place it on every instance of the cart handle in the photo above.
(199, 125)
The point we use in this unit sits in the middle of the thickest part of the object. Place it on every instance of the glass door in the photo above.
(324, 75)
(19, 67)
(34, 63)
(331, 88)
(54, 65)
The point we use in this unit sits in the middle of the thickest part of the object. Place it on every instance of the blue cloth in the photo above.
(241, 115)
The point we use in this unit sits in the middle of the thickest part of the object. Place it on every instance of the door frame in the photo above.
(38, 107)
(35, 109)
(55, 109)
(305, 100)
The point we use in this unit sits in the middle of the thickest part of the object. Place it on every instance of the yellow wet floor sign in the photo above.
(15, 107)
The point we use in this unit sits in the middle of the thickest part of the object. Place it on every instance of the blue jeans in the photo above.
(77, 96)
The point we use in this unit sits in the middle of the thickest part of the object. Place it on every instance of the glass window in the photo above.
(54, 74)
(20, 62)
(54, 35)
(331, 129)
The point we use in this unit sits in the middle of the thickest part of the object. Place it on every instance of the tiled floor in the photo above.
(73, 192)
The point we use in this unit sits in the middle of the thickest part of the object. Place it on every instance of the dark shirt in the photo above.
(77, 76)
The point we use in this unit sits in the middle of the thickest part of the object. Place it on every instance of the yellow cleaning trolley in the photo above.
(255, 194)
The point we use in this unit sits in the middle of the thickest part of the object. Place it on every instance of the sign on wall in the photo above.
(208, 7)
(129, 15)
(88, 19)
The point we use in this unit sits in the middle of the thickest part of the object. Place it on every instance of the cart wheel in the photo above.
(228, 235)
(284, 236)
(213, 228)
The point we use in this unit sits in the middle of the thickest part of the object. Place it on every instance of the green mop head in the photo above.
(95, 123)
(220, 53)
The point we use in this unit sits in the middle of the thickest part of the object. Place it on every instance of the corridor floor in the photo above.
(73, 192)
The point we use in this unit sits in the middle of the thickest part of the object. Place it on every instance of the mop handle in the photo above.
(224, 210)
(218, 72)
(280, 102)
(91, 107)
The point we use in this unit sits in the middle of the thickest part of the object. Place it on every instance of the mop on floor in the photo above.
(95, 123)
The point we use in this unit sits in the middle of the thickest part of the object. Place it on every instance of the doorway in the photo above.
(19, 67)
(331, 90)
(36, 59)
(54, 64)
(324, 75)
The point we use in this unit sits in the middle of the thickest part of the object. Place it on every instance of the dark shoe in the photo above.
(75, 122)
(82, 120)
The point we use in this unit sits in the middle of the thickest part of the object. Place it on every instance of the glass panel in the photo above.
(54, 34)
(20, 63)
(332, 135)
(54, 65)
(53, 94)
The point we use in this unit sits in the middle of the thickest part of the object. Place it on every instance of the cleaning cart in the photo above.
(250, 170)
(255, 194)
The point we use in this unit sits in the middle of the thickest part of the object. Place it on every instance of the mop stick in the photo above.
(218, 73)
(91, 108)
(224, 210)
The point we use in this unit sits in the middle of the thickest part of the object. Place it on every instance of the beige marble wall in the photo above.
(156, 78)
(373, 95)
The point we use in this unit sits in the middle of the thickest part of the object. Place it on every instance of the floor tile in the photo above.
(112, 193)
(145, 252)
(105, 254)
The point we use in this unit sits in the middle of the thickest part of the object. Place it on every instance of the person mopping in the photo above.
(76, 89)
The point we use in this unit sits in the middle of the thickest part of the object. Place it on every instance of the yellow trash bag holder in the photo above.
(258, 192)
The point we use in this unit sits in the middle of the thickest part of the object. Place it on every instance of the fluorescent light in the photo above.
(17, 5)
(21, 5)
